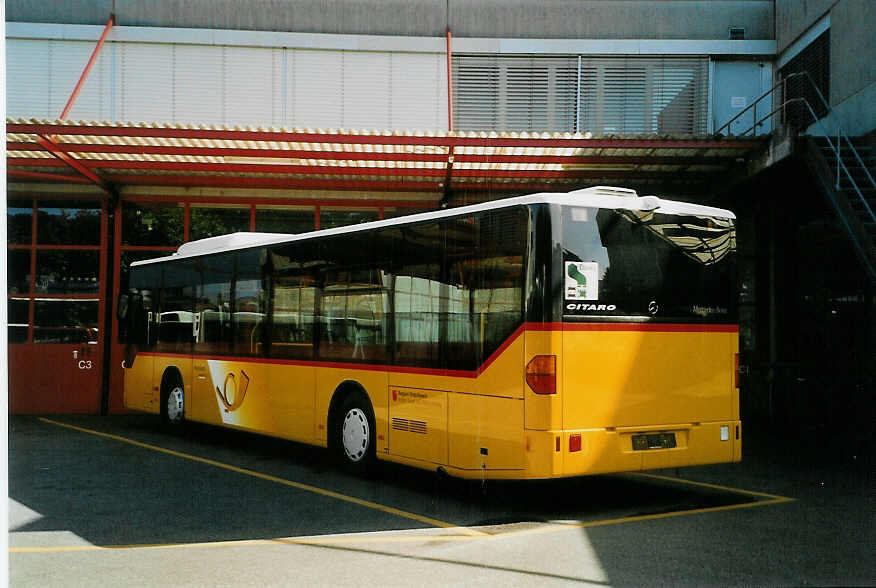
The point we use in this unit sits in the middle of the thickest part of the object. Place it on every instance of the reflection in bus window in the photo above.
(249, 303)
(417, 293)
(654, 265)
(293, 297)
(213, 305)
(352, 316)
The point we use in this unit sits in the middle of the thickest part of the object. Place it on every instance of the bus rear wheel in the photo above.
(354, 434)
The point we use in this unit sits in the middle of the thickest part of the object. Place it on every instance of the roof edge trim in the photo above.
(408, 44)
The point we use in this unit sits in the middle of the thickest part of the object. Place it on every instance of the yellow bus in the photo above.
(540, 336)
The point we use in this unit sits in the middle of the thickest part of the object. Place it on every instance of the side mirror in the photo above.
(132, 319)
(122, 307)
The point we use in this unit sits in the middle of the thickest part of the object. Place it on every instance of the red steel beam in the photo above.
(352, 172)
(354, 139)
(84, 76)
(231, 152)
(50, 146)
(598, 159)
(385, 156)
(372, 202)
(238, 168)
(276, 183)
(20, 173)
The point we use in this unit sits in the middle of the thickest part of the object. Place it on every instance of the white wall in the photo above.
(231, 85)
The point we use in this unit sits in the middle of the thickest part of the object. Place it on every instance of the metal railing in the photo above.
(836, 148)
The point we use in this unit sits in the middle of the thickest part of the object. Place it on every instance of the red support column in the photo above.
(48, 143)
(187, 221)
(116, 400)
(84, 76)
(449, 84)
(32, 287)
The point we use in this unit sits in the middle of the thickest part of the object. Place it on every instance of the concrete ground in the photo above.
(122, 501)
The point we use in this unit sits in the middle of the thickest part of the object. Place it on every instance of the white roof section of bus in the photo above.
(596, 197)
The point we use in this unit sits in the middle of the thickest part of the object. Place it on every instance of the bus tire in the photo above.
(354, 433)
(173, 401)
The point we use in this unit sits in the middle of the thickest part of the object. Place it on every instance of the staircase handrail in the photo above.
(817, 121)
(840, 163)
(840, 125)
(753, 105)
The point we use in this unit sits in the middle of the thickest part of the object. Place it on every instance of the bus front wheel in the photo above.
(173, 404)
(354, 433)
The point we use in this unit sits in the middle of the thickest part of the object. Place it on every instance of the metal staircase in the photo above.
(846, 178)
(845, 168)
(861, 165)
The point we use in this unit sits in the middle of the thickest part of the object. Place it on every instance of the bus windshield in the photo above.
(643, 264)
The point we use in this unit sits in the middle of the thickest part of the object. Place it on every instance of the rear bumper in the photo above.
(554, 454)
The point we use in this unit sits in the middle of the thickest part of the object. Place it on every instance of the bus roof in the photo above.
(595, 197)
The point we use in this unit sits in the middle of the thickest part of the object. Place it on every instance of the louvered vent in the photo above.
(736, 33)
(601, 95)
(668, 96)
(409, 425)
(815, 60)
(514, 93)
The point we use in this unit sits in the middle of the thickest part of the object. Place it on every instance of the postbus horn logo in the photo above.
(232, 394)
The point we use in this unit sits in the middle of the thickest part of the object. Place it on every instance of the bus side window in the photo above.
(354, 303)
(293, 294)
(213, 304)
(417, 255)
(249, 308)
(498, 301)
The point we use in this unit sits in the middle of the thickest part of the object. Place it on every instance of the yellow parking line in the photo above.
(268, 477)
(770, 497)
(315, 541)
(348, 539)
(465, 533)
(555, 527)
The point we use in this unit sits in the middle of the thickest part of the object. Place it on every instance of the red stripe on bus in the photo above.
(535, 327)
(652, 327)
(354, 366)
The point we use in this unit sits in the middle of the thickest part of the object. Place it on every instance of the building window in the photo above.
(330, 218)
(284, 219)
(19, 221)
(68, 223)
(211, 221)
(54, 263)
(152, 223)
(65, 321)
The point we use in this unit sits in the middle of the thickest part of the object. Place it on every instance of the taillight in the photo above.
(541, 374)
(736, 370)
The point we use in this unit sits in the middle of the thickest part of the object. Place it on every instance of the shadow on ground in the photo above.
(113, 493)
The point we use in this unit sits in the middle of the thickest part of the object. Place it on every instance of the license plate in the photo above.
(654, 441)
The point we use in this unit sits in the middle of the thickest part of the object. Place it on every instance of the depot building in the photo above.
(132, 132)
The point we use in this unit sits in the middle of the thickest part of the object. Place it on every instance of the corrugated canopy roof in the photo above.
(119, 154)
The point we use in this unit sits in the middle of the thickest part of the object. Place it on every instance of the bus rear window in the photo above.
(644, 264)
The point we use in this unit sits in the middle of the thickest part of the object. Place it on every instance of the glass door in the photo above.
(56, 259)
